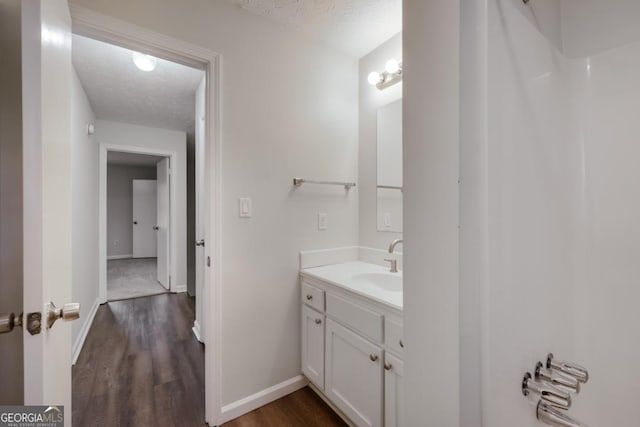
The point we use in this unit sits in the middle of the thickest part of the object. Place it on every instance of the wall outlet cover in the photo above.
(322, 221)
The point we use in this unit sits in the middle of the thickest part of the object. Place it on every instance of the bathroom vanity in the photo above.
(352, 348)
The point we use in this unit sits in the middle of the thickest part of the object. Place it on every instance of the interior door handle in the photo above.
(68, 312)
(135, 222)
(8, 321)
(200, 242)
(155, 227)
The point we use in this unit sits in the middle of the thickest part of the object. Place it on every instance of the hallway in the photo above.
(132, 278)
(141, 365)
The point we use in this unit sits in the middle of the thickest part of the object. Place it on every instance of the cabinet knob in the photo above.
(373, 357)
(309, 297)
(388, 366)
(318, 321)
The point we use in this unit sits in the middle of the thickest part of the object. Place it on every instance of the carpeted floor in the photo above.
(132, 278)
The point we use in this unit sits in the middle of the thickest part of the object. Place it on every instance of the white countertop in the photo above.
(361, 277)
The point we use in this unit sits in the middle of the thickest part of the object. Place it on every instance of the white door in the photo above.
(393, 389)
(46, 93)
(353, 375)
(313, 346)
(144, 218)
(201, 211)
(163, 205)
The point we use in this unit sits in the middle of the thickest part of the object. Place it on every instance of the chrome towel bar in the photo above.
(299, 181)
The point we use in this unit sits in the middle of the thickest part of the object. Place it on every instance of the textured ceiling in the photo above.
(119, 91)
(132, 159)
(355, 27)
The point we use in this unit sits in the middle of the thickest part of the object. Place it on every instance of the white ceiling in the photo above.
(132, 159)
(119, 91)
(355, 27)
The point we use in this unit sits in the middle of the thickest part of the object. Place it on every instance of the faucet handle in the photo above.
(548, 393)
(394, 265)
(568, 368)
(557, 379)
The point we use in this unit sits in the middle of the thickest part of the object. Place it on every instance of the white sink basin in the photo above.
(390, 282)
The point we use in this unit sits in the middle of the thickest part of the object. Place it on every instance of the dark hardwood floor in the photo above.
(141, 366)
(300, 409)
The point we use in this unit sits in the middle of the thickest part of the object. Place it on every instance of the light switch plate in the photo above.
(322, 221)
(244, 207)
(387, 219)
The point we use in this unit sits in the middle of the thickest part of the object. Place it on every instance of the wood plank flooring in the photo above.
(300, 409)
(141, 366)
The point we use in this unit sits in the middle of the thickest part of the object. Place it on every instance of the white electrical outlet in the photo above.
(322, 221)
(244, 207)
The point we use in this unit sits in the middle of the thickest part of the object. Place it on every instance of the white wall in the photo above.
(84, 210)
(289, 108)
(120, 206)
(593, 26)
(11, 352)
(116, 135)
(548, 216)
(606, 101)
(370, 100)
(431, 150)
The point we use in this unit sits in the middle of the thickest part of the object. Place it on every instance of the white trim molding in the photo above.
(112, 257)
(178, 289)
(196, 331)
(84, 331)
(261, 398)
(111, 30)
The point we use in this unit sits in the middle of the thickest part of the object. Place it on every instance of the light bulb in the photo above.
(144, 62)
(374, 78)
(392, 66)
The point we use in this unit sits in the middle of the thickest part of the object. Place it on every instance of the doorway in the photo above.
(138, 225)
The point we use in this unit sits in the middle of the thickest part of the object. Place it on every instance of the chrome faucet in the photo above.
(393, 244)
(394, 262)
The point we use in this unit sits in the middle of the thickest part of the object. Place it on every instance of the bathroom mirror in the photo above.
(389, 167)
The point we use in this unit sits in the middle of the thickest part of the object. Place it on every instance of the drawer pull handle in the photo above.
(373, 357)
(388, 366)
(318, 321)
(309, 297)
(401, 344)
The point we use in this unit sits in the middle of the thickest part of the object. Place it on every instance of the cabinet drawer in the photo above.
(313, 296)
(359, 318)
(393, 336)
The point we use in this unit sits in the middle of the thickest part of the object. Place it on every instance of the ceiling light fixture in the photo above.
(144, 62)
(391, 75)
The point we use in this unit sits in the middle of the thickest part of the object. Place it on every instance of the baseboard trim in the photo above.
(77, 346)
(196, 331)
(268, 395)
(179, 288)
(127, 256)
(330, 404)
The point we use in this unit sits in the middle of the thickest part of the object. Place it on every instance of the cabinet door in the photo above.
(354, 375)
(313, 346)
(393, 390)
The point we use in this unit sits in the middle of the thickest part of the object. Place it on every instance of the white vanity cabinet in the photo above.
(352, 352)
(393, 389)
(313, 345)
(353, 379)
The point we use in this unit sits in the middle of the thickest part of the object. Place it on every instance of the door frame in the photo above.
(102, 212)
(88, 23)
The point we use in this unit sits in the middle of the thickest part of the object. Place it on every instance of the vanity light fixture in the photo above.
(391, 75)
(144, 62)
